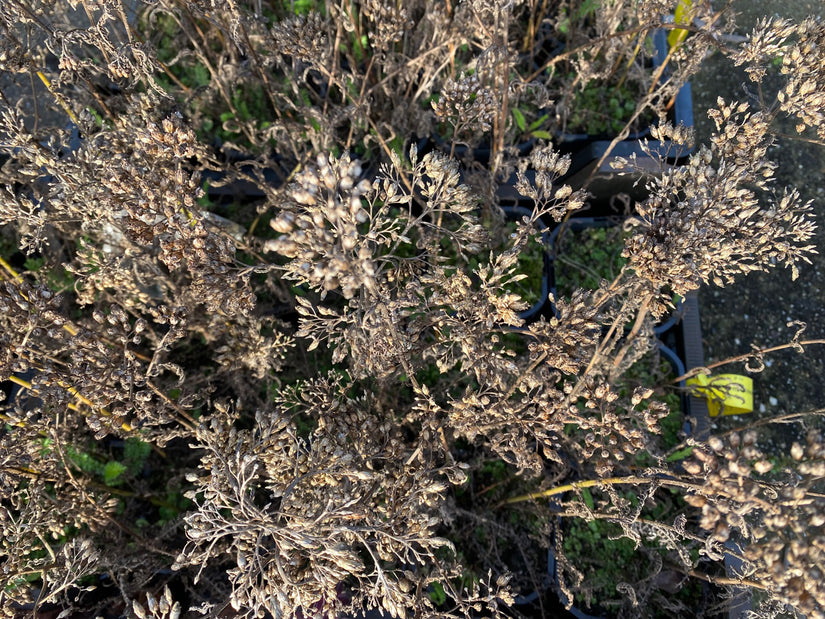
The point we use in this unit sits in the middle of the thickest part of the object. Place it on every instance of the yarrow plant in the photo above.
(265, 355)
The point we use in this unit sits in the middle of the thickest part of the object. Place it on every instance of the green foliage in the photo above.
(135, 454)
(249, 104)
(436, 593)
(246, 104)
(533, 130)
(530, 264)
(302, 7)
(496, 469)
(680, 454)
(607, 558)
(57, 279)
(586, 257)
(45, 443)
(96, 115)
(601, 109)
(112, 473)
(192, 74)
(359, 46)
(172, 506)
(84, 461)
(586, 9)
(520, 120)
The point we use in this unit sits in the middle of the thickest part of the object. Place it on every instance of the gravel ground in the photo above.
(759, 307)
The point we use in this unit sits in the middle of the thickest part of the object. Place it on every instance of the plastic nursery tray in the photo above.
(587, 151)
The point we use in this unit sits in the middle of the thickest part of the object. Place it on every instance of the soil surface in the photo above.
(758, 308)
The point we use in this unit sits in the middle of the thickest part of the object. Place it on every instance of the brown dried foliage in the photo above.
(314, 377)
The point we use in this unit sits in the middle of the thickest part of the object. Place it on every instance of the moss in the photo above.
(602, 109)
(583, 258)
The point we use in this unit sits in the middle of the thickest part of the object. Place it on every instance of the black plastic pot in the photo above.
(587, 150)
(480, 154)
(681, 112)
(683, 340)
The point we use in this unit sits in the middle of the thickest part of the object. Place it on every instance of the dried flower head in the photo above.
(704, 223)
(466, 104)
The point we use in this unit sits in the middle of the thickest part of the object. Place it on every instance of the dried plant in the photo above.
(280, 405)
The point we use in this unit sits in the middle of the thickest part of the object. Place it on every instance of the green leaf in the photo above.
(33, 264)
(538, 123)
(45, 446)
(437, 594)
(681, 454)
(200, 75)
(542, 135)
(112, 471)
(520, 121)
(135, 452)
(96, 115)
(83, 461)
(588, 7)
(302, 7)
(588, 498)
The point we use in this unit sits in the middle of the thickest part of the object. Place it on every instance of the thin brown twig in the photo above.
(744, 357)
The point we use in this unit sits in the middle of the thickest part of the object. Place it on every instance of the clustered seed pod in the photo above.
(466, 104)
(704, 224)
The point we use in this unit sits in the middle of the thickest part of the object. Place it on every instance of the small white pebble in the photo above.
(773, 401)
(768, 363)
(762, 408)
(737, 341)
(745, 316)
